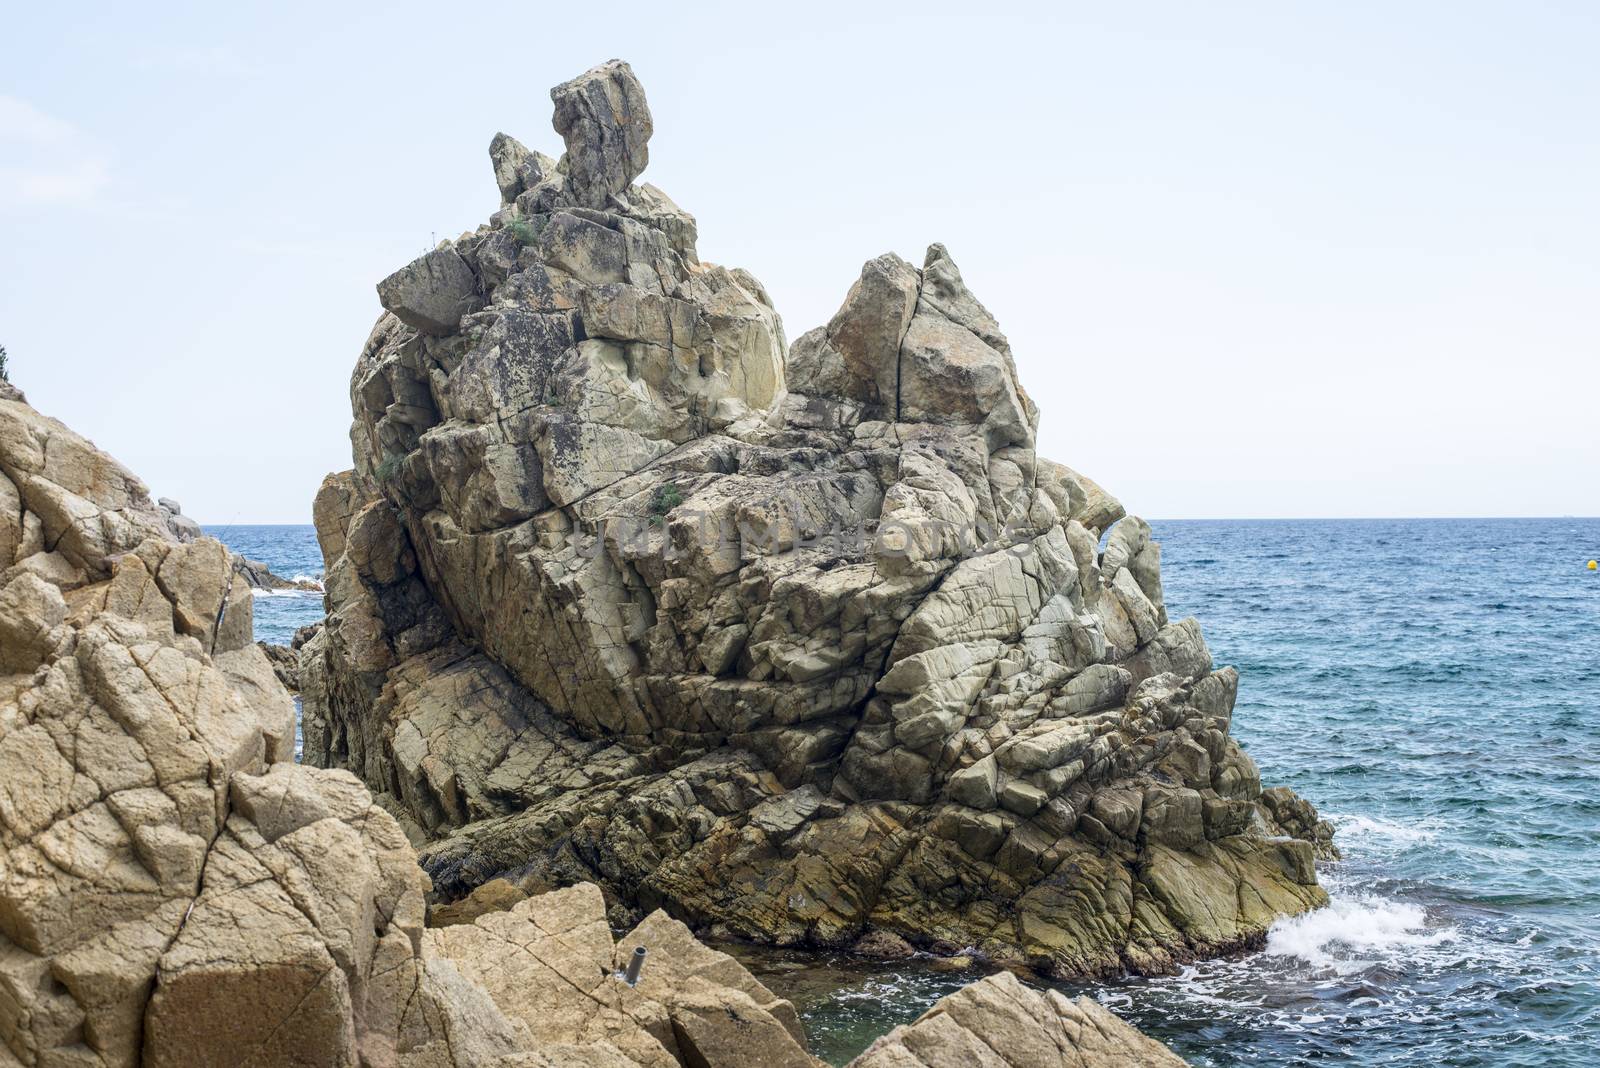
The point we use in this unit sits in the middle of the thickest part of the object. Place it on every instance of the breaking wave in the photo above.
(1356, 932)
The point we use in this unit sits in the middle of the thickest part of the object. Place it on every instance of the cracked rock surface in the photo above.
(999, 1023)
(797, 643)
(174, 892)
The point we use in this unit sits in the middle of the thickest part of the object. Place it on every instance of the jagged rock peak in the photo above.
(912, 346)
(175, 891)
(603, 117)
(605, 121)
(800, 646)
(516, 167)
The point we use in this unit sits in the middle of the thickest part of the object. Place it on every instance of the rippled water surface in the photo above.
(1434, 686)
(290, 552)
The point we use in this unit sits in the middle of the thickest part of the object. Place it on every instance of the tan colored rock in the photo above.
(517, 169)
(950, 368)
(331, 512)
(546, 963)
(857, 356)
(686, 976)
(83, 504)
(975, 787)
(999, 1023)
(30, 611)
(377, 545)
(549, 963)
(197, 579)
(432, 293)
(496, 895)
(10, 521)
(606, 123)
(173, 891)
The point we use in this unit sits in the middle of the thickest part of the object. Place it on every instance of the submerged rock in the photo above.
(794, 645)
(258, 576)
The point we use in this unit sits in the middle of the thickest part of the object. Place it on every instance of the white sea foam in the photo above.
(286, 593)
(1354, 932)
(1379, 832)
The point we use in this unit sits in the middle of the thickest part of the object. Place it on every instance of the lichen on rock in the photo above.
(794, 642)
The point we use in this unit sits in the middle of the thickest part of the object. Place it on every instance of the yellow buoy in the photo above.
(1594, 564)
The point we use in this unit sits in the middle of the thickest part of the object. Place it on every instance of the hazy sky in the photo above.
(1255, 259)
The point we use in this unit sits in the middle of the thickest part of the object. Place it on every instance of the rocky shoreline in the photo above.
(803, 645)
(174, 891)
(641, 624)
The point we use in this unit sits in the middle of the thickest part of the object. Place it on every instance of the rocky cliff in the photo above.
(797, 643)
(173, 892)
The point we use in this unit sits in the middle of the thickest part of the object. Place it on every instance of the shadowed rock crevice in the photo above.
(797, 643)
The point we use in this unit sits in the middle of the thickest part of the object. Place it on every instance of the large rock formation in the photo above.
(173, 892)
(797, 646)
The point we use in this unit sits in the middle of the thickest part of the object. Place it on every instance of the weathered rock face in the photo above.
(174, 892)
(254, 573)
(795, 646)
(181, 527)
(549, 964)
(999, 1023)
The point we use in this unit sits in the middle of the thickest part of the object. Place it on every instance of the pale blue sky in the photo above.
(1255, 259)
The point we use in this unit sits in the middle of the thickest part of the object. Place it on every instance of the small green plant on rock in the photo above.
(5, 376)
(667, 498)
(523, 230)
(388, 468)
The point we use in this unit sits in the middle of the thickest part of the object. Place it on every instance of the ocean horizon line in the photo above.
(1183, 519)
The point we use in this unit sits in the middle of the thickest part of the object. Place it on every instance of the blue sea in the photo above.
(290, 552)
(1434, 687)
